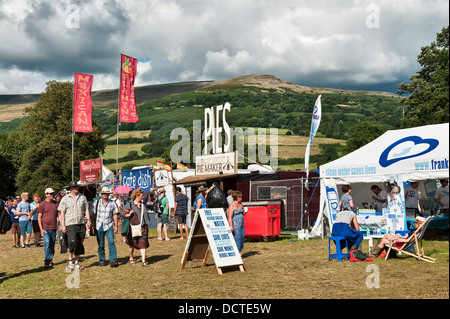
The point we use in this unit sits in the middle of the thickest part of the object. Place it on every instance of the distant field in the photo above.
(111, 150)
(126, 134)
(289, 146)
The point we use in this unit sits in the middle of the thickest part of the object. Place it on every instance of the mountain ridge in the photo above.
(13, 105)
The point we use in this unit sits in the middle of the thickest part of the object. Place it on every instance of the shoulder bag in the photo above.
(136, 230)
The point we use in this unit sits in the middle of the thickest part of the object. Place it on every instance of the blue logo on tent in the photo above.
(408, 151)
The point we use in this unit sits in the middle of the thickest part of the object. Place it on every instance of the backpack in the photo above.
(157, 205)
(217, 198)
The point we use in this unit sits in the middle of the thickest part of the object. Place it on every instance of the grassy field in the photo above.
(281, 269)
(289, 146)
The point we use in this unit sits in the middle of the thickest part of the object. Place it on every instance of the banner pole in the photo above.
(118, 116)
(73, 119)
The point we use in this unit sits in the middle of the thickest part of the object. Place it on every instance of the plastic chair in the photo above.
(338, 255)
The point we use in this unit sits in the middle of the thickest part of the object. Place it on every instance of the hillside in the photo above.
(12, 106)
(266, 82)
(262, 101)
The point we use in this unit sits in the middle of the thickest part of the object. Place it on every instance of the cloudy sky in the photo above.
(353, 44)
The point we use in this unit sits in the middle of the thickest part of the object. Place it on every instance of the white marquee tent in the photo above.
(413, 154)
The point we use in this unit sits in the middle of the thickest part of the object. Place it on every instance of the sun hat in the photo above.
(419, 219)
(105, 190)
(72, 184)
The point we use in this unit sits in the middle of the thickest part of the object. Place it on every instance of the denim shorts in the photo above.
(25, 227)
(163, 218)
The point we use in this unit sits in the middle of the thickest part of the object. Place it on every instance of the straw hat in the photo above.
(105, 190)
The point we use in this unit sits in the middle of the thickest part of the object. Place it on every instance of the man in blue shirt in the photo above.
(15, 229)
(23, 211)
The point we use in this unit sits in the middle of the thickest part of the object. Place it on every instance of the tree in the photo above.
(362, 134)
(429, 88)
(47, 132)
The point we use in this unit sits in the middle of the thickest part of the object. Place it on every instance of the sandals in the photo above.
(144, 264)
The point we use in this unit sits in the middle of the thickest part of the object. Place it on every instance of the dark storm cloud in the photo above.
(317, 43)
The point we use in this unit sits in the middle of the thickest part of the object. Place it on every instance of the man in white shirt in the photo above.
(441, 197)
(413, 199)
(380, 198)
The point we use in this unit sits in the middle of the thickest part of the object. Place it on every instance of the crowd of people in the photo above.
(69, 217)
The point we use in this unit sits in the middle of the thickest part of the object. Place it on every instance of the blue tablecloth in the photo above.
(436, 222)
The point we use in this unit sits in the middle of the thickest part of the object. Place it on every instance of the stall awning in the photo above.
(197, 180)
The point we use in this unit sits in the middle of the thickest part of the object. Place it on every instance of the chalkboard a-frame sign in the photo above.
(211, 233)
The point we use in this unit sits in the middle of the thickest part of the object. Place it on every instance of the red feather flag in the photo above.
(82, 103)
(127, 100)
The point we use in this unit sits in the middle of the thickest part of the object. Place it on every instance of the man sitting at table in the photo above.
(378, 251)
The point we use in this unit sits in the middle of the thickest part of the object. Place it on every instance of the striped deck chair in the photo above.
(415, 241)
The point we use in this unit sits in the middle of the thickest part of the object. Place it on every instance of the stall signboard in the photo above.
(211, 229)
(91, 170)
(221, 163)
(141, 178)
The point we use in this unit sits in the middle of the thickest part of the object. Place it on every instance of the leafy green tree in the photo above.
(47, 134)
(328, 153)
(429, 88)
(362, 134)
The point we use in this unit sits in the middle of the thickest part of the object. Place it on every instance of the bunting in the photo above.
(181, 166)
(163, 165)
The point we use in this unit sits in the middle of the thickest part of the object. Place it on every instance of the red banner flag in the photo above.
(127, 100)
(82, 103)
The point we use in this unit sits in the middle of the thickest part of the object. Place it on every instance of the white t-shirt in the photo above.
(442, 195)
(379, 205)
(412, 197)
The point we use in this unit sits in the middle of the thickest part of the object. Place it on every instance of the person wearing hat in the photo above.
(106, 224)
(74, 219)
(202, 193)
(47, 220)
(378, 251)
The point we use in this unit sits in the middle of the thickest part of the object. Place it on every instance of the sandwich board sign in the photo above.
(211, 233)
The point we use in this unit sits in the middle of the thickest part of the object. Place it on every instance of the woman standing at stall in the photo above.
(137, 212)
(236, 220)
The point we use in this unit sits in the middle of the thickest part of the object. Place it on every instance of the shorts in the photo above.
(162, 218)
(36, 228)
(181, 219)
(75, 238)
(25, 227)
(15, 228)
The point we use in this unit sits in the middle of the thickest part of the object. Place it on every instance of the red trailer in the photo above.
(263, 219)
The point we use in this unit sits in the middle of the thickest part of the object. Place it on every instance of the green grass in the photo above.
(278, 269)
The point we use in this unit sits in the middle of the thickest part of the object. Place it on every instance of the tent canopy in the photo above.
(417, 153)
(413, 154)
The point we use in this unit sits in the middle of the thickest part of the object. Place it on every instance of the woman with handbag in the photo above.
(137, 236)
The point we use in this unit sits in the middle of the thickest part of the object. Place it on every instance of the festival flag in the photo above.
(163, 165)
(181, 166)
(317, 114)
(82, 103)
(127, 100)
